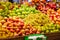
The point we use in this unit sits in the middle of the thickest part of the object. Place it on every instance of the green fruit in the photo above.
(47, 31)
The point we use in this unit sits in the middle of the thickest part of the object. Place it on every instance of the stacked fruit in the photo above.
(41, 22)
(58, 16)
(32, 22)
(37, 19)
(5, 7)
(23, 11)
(46, 6)
(14, 26)
(11, 26)
(54, 16)
(58, 10)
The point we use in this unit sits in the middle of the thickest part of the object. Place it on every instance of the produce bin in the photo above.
(50, 36)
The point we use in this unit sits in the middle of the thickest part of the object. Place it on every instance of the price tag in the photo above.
(36, 37)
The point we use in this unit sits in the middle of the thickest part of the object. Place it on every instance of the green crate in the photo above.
(36, 37)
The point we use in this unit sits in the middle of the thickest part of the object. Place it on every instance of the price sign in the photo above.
(36, 37)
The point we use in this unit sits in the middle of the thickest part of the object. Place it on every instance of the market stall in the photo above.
(29, 20)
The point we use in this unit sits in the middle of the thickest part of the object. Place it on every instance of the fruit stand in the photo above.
(34, 18)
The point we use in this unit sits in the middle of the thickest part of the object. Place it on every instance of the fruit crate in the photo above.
(50, 36)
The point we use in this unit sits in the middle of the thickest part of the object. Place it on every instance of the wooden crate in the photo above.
(50, 36)
(53, 36)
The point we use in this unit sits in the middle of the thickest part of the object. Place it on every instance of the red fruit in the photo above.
(39, 7)
(15, 23)
(23, 34)
(51, 17)
(26, 30)
(16, 20)
(27, 33)
(3, 21)
(10, 25)
(57, 16)
(18, 23)
(20, 27)
(17, 30)
(8, 28)
(28, 27)
(38, 32)
(16, 34)
(31, 32)
(34, 30)
(12, 30)
(22, 24)
(20, 20)
(22, 31)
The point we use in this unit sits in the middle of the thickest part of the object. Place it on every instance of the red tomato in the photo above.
(57, 16)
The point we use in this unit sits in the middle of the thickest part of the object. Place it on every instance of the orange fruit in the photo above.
(58, 11)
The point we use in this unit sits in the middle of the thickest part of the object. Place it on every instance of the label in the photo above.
(36, 37)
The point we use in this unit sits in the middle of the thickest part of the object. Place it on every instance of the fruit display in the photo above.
(14, 26)
(10, 26)
(5, 7)
(41, 22)
(37, 19)
(43, 7)
(54, 15)
(23, 11)
(58, 10)
(21, 19)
